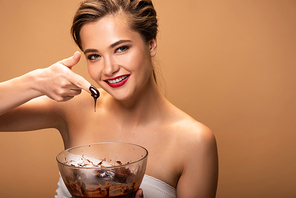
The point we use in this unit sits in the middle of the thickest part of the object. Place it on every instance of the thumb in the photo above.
(73, 60)
(139, 193)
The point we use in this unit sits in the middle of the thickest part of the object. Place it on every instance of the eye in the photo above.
(93, 56)
(122, 49)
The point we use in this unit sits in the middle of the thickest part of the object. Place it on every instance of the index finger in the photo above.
(79, 81)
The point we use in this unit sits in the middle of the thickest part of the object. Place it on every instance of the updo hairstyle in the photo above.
(141, 15)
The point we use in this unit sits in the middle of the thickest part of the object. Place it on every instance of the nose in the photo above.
(110, 66)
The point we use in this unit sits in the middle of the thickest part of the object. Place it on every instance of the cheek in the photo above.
(137, 62)
(93, 72)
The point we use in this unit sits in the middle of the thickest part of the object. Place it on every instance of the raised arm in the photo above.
(57, 82)
(18, 112)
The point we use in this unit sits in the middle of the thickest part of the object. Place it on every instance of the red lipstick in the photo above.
(117, 81)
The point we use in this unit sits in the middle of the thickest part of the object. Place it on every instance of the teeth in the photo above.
(117, 80)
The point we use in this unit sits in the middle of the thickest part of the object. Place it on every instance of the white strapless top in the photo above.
(155, 188)
(152, 188)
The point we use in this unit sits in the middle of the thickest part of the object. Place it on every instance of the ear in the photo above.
(153, 47)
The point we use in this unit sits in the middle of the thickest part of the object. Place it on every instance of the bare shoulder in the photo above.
(191, 132)
(193, 137)
(198, 158)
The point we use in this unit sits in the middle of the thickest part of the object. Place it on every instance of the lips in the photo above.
(118, 81)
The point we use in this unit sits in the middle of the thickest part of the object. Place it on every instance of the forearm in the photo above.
(18, 91)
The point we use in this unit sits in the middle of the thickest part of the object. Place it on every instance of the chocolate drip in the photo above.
(95, 94)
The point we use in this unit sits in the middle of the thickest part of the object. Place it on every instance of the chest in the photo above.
(160, 143)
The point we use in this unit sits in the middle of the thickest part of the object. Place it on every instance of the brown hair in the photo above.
(141, 13)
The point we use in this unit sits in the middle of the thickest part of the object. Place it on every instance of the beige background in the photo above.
(230, 64)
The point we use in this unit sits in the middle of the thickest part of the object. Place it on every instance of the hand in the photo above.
(59, 82)
(139, 193)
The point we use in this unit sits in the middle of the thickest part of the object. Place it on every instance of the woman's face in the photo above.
(117, 57)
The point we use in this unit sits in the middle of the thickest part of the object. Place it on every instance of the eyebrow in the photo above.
(111, 46)
(118, 43)
(89, 50)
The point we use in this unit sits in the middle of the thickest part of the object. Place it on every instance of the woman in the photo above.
(118, 39)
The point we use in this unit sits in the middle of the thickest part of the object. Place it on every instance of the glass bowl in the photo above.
(109, 169)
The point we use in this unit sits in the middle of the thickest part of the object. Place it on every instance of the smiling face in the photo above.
(117, 57)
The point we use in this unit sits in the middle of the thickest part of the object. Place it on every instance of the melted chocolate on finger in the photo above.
(95, 94)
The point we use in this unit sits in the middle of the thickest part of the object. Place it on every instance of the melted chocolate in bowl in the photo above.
(103, 169)
(104, 183)
(130, 195)
(105, 194)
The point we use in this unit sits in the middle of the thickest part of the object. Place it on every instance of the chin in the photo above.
(121, 97)
(118, 94)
